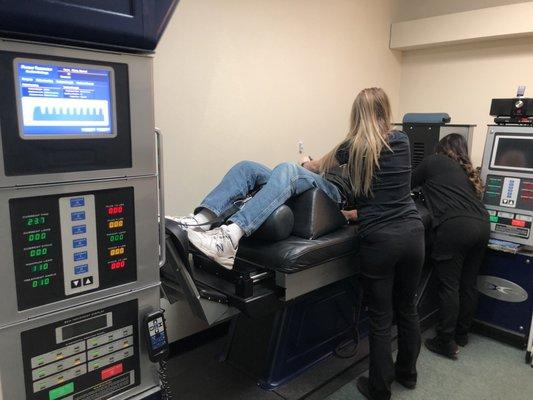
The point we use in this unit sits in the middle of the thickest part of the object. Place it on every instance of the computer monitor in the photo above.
(61, 100)
(512, 152)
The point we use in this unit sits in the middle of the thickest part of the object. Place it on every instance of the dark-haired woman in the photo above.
(452, 189)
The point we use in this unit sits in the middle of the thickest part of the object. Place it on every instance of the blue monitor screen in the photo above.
(64, 100)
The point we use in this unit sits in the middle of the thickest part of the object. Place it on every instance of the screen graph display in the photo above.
(62, 101)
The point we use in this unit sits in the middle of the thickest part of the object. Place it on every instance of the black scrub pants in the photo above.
(391, 261)
(458, 249)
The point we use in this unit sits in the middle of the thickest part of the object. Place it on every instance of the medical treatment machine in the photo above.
(79, 199)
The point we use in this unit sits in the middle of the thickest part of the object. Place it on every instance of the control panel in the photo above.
(79, 202)
(90, 356)
(508, 177)
(67, 245)
(512, 193)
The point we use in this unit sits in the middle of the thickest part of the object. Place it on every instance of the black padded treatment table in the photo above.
(293, 296)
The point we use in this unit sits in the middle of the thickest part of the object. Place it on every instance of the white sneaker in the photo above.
(215, 244)
(188, 222)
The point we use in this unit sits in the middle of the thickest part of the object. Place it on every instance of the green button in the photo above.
(61, 391)
(493, 218)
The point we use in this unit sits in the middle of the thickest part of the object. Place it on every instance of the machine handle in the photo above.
(161, 197)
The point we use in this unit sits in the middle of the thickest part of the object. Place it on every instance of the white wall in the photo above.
(247, 79)
(463, 79)
(406, 10)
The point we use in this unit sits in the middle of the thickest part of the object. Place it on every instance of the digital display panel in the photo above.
(62, 101)
(84, 327)
(513, 153)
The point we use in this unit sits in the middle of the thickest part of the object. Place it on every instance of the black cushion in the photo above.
(315, 214)
(278, 225)
(296, 254)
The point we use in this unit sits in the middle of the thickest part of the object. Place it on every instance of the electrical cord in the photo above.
(237, 205)
(166, 391)
(356, 336)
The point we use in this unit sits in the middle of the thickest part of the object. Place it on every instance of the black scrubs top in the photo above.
(390, 200)
(447, 190)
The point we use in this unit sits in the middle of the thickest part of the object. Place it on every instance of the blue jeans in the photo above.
(280, 184)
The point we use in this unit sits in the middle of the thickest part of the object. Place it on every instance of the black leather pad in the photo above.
(295, 254)
(278, 225)
(315, 214)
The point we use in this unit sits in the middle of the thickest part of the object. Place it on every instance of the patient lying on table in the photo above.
(275, 187)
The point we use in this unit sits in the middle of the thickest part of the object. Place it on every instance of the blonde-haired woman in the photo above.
(391, 238)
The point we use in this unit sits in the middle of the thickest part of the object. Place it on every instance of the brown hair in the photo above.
(370, 124)
(454, 146)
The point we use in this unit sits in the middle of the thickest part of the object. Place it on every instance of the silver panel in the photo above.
(141, 114)
(485, 170)
(11, 378)
(311, 279)
(180, 320)
(75, 252)
(146, 242)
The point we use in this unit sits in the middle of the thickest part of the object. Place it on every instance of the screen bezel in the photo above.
(20, 118)
(497, 138)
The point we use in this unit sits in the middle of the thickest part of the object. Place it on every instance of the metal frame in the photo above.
(211, 312)
(306, 281)
(485, 170)
(140, 73)
(529, 349)
(161, 197)
(12, 378)
(143, 176)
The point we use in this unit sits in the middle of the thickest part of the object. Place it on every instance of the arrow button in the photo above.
(76, 283)
(87, 281)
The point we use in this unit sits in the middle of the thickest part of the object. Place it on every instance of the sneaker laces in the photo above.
(221, 233)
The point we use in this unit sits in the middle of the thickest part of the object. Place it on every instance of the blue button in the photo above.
(81, 269)
(79, 229)
(77, 216)
(77, 202)
(82, 255)
(79, 243)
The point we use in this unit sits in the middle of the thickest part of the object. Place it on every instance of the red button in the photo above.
(112, 371)
(517, 222)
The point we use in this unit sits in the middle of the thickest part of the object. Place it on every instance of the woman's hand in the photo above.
(350, 216)
(304, 160)
(310, 164)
